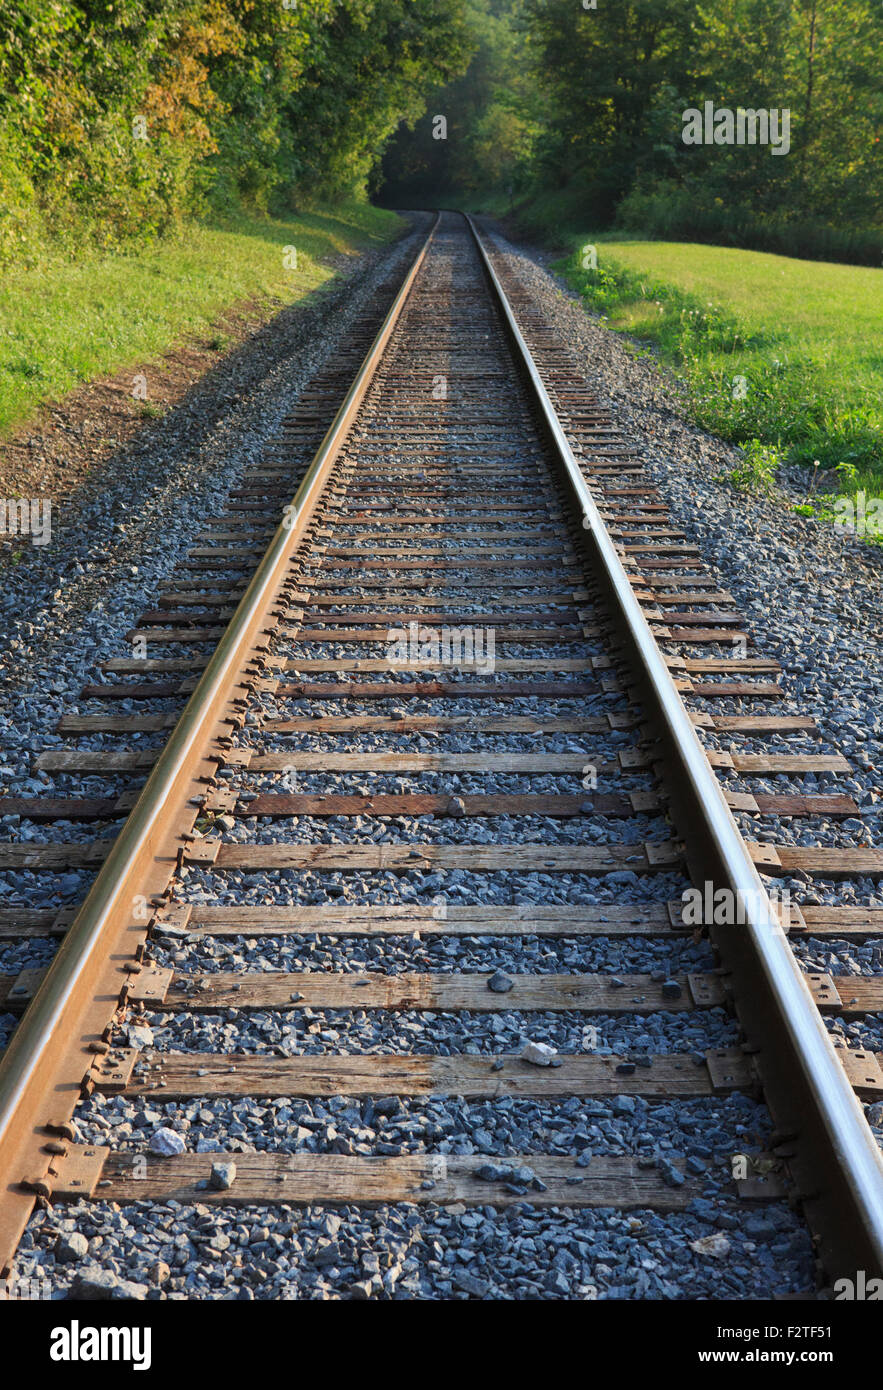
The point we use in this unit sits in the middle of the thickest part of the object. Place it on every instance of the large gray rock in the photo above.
(223, 1175)
(538, 1054)
(166, 1142)
(94, 1284)
(72, 1246)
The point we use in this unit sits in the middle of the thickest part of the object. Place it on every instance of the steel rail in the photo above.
(42, 1069)
(835, 1159)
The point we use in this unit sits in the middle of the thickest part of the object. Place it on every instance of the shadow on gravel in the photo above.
(141, 504)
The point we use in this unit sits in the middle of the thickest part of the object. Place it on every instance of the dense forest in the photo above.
(573, 113)
(119, 118)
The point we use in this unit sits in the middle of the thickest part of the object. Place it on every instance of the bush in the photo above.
(756, 472)
(19, 215)
(670, 212)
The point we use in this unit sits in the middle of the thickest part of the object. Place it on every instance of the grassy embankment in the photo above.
(781, 356)
(64, 322)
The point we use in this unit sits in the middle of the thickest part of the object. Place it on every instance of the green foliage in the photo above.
(756, 470)
(669, 211)
(368, 70)
(120, 120)
(617, 132)
(490, 113)
(574, 111)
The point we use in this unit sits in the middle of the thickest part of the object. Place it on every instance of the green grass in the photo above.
(64, 323)
(782, 356)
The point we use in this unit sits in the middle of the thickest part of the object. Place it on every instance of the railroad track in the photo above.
(439, 753)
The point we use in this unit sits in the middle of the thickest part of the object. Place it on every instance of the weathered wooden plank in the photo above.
(186, 612)
(443, 804)
(424, 762)
(316, 1179)
(666, 563)
(280, 989)
(826, 862)
(763, 724)
(172, 636)
(242, 533)
(96, 760)
(672, 582)
(388, 520)
(187, 1075)
(712, 637)
(843, 921)
(760, 803)
(75, 724)
(146, 690)
(652, 546)
(423, 598)
(788, 805)
(746, 724)
(764, 764)
(520, 858)
(133, 666)
(443, 919)
(853, 995)
(650, 529)
(231, 552)
(752, 764)
(721, 665)
(483, 664)
(686, 595)
(196, 598)
(40, 808)
(728, 690)
(459, 723)
(502, 636)
(455, 509)
(27, 922)
(51, 858)
(449, 587)
(460, 690)
(558, 566)
(332, 622)
(418, 551)
(492, 533)
(820, 860)
(410, 492)
(705, 618)
(218, 552)
(197, 569)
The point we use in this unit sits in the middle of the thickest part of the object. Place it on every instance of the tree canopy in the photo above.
(586, 104)
(119, 117)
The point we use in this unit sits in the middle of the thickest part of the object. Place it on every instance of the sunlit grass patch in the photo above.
(774, 353)
(63, 322)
